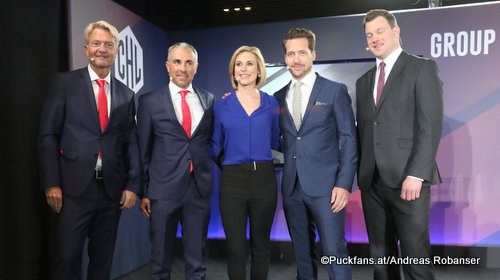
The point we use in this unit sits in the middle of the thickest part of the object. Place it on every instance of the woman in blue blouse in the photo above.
(245, 130)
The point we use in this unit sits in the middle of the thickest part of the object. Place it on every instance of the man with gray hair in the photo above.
(89, 161)
(175, 127)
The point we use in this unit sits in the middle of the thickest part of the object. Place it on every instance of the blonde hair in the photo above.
(101, 24)
(261, 65)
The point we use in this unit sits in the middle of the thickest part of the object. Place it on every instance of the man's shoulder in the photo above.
(121, 87)
(320, 80)
(415, 58)
(72, 74)
(154, 94)
(281, 93)
(203, 91)
(205, 94)
(367, 75)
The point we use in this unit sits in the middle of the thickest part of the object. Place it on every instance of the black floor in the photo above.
(216, 270)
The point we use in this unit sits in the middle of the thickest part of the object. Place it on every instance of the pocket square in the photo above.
(317, 103)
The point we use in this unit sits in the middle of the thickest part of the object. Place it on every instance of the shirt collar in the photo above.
(308, 80)
(390, 60)
(174, 89)
(93, 75)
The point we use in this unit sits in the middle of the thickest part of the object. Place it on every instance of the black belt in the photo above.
(253, 166)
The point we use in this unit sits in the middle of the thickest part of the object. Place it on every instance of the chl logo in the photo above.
(129, 66)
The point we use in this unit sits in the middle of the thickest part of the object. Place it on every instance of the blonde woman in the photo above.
(245, 130)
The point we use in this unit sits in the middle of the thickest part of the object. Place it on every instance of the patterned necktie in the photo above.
(297, 105)
(186, 120)
(102, 104)
(381, 81)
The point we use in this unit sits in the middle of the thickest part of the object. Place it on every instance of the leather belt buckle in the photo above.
(98, 174)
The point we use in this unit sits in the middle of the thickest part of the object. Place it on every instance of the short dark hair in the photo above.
(297, 33)
(373, 14)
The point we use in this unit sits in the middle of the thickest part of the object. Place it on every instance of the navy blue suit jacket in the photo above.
(323, 153)
(166, 150)
(70, 137)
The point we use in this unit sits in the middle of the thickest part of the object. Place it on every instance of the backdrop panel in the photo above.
(467, 50)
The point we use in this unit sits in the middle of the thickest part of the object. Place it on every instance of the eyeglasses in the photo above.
(98, 44)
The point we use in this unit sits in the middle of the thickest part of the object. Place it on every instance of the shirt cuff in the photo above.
(416, 178)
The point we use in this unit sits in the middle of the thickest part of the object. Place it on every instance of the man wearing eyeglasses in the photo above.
(89, 157)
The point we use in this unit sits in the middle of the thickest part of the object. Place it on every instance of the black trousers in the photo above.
(390, 219)
(94, 215)
(248, 192)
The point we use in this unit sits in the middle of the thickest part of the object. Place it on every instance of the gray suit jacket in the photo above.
(401, 135)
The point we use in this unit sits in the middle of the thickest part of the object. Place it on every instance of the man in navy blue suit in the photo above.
(175, 127)
(90, 166)
(320, 150)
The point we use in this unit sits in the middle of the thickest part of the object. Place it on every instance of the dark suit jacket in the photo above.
(166, 149)
(70, 137)
(323, 153)
(401, 135)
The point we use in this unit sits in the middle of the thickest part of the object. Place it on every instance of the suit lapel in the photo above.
(288, 119)
(318, 84)
(114, 99)
(371, 86)
(89, 98)
(203, 98)
(397, 69)
(170, 111)
(204, 104)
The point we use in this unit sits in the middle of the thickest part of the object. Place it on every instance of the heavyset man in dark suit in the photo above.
(320, 150)
(399, 134)
(175, 127)
(89, 169)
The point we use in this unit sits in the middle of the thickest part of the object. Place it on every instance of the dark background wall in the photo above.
(33, 48)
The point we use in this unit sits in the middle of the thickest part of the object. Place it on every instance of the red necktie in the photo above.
(381, 81)
(102, 105)
(186, 113)
(186, 119)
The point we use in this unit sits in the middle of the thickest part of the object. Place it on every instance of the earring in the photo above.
(258, 75)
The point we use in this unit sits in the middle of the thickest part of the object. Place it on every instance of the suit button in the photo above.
(294, 157)
(298, 138)
(375, 123)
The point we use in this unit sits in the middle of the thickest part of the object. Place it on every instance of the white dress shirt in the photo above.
(389, 61)
(193, 102)
(95, 87)
(305, 88)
